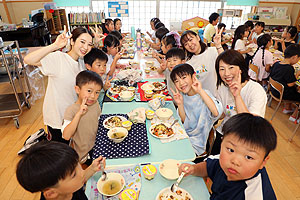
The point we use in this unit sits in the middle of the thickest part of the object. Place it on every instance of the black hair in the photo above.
(293, 31)
(87, 76)
(155, 20)
(249, 24)
(78, 31)
(116, 20)
(238, 34)
(169, 40)
(261, 24)
(93, 55)
(159, 25)
(232, 57)
(175, 52)
(161, 32)
(253, 130)
(184, 39)
(181, 70)
(117, 34)
(110, 41)
(44, 164)
(108, 21)
(221, 25)
(262, 42)
(213, 17)
(292, 50)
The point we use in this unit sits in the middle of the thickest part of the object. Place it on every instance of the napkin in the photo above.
(137, 115)
(131, 75)
(156, 103)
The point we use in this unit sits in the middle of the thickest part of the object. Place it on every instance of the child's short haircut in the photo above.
(292, 50)
(117, 34)
(221, 25)
(88, 76)
(262, 24)
(45, 164)
(93, 55)
(161, 32)
(213, 17)
(181, 70)
(175, 52)
(249, 24)
(253, 130)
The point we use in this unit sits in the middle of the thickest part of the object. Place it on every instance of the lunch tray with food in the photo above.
(159, 88)
(134, 145)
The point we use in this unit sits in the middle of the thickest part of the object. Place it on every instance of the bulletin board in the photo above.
(118, 9)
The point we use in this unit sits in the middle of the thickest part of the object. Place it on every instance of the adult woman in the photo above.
(61, 69)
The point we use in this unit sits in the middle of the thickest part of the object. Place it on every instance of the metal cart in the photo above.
(11, 102)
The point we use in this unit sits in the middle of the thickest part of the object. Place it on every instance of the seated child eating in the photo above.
(197, 108)
(174, 56)
(96, 61)
(81, 118)
(239, 172)
(53, 169)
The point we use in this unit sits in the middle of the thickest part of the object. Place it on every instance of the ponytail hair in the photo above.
(292, 30)
(172, 38)
(238, 34)
(262, 42)
(110, 41)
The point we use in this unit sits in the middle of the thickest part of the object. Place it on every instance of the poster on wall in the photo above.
(118, 9)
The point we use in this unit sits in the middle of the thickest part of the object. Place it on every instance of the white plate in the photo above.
(162, 87)
(165, 194)
(112, 126)
(162, 136)
(147, 86)
(114, 93)
(169, 169)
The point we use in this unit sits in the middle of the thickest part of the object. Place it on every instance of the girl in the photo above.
(238, 42)
(289, 36)
(263, 59)
(160, 32)
(117, 24)
(202, 58)
(236, 92)
(153, 21)
(108, 26)
(61, 69)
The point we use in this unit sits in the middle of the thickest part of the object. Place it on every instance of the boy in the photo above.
(174, 57)
(239, 172)
(223, 39)
(197, 108)
(284, 73)
(81, 118)
(96, 61)
(53, 169)
(210, 30)
(257, 31)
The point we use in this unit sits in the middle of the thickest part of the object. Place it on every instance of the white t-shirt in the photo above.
(240, 45)
(61, 70)
(109, 62)
(253, 95)
(204, 66)
(254, 35)
(257, 60)
(209, 31)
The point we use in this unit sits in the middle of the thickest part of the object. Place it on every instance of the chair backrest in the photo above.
(298, 42)
(255, 69)
(278, 87)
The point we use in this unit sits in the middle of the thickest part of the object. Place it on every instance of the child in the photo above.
(239, 172)
(52, 168)
(223, 39)
(107, 26)
(257, 31)
(159, 34)
(153, 21)
(61, 69)
(210, 28)
(289, 36)
(197, 108)
(81, 118)
(117, 24)
(236, 92)
(174, 57)
(284, 73)
(262, 58)
(238, 43)
(249, 26)
(96, 61)
(202, 58)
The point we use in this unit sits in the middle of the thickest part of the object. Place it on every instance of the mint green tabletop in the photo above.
(181, 150)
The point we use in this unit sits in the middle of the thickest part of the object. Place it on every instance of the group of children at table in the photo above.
(206, 83)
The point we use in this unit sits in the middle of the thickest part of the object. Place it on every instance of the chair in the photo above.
(209, 144)
(255, 69)
(280, 88)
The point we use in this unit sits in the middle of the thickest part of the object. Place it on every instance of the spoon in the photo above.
(175, 121)
(103, 177)
(174, 187)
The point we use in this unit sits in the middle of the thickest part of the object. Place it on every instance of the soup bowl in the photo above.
(112, 185)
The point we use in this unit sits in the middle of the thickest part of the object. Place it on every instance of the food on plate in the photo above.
(131, 56)
(149, 171)
(149, 63)
(159, 85)
(114, 122)
(117, 89)
(125, 55)
(150, 114)
(127, 124)
(147, 86)
(161, 130)
(180, 194)
(111, 187)
(147, 70)
(148, 94)
(153, 68)
(118, 135)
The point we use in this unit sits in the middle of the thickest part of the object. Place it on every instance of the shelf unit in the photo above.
(56, 20)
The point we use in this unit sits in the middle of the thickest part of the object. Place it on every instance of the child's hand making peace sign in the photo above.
(217, 38)
(83, 107)
(177, 97)
(62, 40)
(107, 84)
(196, 86)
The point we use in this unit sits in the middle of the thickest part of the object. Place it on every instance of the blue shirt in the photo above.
(258, 187)
(199, 119)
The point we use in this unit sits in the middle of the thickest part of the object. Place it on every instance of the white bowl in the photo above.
(112, 178)
(164, 113)
(169, 169)
(115, 132)
(149, 63)
(126, 95)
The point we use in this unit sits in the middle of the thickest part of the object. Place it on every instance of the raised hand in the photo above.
(97, 33)
(177, 97)
(196, 86)
(83, 107)
(236, 86)
(62, 40)
(96, 164)
(217, 38)
(163, 65)
(119, 54)
(107, 84)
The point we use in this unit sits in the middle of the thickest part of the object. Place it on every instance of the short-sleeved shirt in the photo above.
(108, 64)
(284, 74)
(257, 187)
(255, 36)
(204, 66)
(240, 46)
(253, 95)
(61, 70)
(84, 138)
(257, 60)
(170, 84)
(286, 45)
(199, 119)
(209, 31)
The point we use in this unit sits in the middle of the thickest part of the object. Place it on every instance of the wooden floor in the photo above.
(283, 166)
